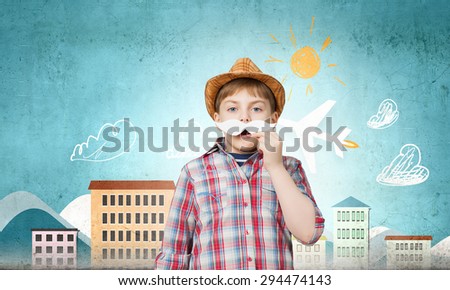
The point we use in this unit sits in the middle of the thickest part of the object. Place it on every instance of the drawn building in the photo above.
(408, 252)
(54, 248)
(309, 257)
(127, 222)
(351, 232)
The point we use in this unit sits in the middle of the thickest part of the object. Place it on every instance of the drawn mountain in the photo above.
(78, 213)
(19, 213)
(440, 255)
(377, 251)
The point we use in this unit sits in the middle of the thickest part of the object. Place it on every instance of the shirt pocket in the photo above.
(269, 197)
(211, 199)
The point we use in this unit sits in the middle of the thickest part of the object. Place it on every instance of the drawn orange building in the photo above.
(127, 222)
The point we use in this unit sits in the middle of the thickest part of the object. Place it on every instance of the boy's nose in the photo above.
(245, 119)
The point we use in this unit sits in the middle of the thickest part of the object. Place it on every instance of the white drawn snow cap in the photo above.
(234, 127)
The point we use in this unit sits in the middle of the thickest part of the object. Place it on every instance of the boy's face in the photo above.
(246, 108)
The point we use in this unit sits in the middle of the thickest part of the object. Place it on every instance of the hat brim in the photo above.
(214, 84)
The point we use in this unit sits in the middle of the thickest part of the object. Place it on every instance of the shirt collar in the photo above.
(219, 146)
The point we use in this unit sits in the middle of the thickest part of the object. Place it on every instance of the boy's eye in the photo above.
(232, 109)
(257, 109)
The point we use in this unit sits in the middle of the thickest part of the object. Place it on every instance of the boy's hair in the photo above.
(255, 87)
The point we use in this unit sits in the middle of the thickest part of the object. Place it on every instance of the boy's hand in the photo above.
(270, 144)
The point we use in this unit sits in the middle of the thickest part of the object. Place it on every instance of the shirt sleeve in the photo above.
(177, 242)
(297, 173)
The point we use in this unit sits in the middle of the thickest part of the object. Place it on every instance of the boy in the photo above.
(236, 206)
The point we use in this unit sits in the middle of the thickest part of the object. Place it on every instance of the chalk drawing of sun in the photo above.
(305, 62)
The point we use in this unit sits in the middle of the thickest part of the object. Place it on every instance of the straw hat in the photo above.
(243, 68)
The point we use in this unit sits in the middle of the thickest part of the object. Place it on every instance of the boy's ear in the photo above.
(274, 117)
(216, 117)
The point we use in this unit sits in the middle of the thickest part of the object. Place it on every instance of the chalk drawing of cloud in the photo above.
(386, 116)
(107, 145)
(405, 169)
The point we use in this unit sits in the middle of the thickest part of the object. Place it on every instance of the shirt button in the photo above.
(245, 204)
(246, 232)
(249, 259)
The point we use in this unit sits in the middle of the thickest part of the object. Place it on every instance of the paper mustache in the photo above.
(235, 127)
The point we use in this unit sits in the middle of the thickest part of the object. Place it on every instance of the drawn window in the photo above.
(128, 254)
(104, 200)
(38, 249)
(161, 200)
(153, 199)
(137, 200)
(128, 200)
(161, 235)
(48, 250)
(138, 218)
(38, 238)
(120, 197)
(70, 238)
(339, 215)
(161, 218)
(120, 254)
(48, 238)
(137, 253)
(112, 200)
(145, 200)
(70, 250)
(105, 254)
(316, 248)
(59, 238)
(145, 218)
(137, 236)
(59, 249)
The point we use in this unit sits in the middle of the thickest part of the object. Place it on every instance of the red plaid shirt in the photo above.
(226, 216)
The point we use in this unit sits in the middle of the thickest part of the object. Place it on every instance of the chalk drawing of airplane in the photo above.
(313, 119)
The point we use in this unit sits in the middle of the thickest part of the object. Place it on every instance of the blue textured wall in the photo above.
(68, 67)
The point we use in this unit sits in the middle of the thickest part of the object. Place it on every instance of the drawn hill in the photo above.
(19, 213)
